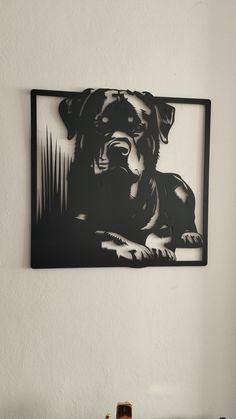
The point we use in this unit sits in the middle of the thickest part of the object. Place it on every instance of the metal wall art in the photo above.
(119, 178)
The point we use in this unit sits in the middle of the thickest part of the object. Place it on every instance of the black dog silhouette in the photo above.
(115, 194)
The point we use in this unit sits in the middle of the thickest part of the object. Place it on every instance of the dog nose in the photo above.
(119, 146)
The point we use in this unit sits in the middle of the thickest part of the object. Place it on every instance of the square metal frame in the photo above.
(206, 103)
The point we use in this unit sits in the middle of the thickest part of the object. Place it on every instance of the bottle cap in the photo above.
(124, 410)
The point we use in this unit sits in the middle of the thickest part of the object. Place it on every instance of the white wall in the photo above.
(74, 342)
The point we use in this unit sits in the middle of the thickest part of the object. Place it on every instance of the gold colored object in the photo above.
(108, 416)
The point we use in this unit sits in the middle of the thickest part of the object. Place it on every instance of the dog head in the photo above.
(117, 130)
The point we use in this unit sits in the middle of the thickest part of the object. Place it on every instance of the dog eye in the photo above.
(105, 119)
(139, 128)
(130, 119)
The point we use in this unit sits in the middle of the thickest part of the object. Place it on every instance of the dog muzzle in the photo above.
(119, 153)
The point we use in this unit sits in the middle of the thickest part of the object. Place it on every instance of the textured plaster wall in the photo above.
(74, 342)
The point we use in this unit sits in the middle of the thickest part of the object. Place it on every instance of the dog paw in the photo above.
(164, 253)
(191, 239)
(135, 252)
(125, 248)
(158, 245)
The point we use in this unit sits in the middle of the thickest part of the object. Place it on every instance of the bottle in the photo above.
(124, 410)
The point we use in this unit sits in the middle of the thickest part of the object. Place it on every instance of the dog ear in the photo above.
(165, 118)
(70, 110)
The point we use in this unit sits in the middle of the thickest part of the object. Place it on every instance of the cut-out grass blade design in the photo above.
(54, 165)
